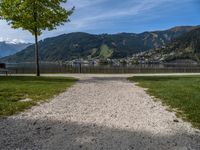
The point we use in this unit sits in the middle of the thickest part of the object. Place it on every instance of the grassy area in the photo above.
(105, 52)
(15, 89)
(182, 94)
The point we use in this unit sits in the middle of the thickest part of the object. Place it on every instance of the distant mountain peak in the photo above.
(12, 41)
(11, 47)
(183, 28)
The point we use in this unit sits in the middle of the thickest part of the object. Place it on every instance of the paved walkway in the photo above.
(99, 112)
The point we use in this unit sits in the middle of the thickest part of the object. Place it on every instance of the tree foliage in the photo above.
(34, 15)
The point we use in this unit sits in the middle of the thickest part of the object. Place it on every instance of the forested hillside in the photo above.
(83, 45)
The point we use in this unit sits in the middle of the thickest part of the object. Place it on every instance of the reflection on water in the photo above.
(48, 67)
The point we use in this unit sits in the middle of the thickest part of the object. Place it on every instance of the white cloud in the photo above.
(11, 41)
(130, 9)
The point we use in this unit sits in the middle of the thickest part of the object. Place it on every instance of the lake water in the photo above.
(85, 68)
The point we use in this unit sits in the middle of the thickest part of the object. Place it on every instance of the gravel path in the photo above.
(99, 113)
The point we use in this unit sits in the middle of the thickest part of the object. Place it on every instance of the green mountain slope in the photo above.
(105, 51)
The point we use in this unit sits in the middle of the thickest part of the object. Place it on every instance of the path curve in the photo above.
(99, 112)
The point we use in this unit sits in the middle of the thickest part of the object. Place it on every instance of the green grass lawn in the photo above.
(182, 94)
(38, 89)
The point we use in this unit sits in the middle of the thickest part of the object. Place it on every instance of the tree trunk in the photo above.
(37, 55)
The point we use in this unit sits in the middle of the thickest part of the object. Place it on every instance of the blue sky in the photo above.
(114, 16)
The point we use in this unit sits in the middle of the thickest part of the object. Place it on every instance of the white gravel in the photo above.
(99, 112)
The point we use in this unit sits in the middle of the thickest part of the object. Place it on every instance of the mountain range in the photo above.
(185, 47)
(8, 48)
(87, 46)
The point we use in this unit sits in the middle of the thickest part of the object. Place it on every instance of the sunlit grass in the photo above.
(15, 89)
(180, 93)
